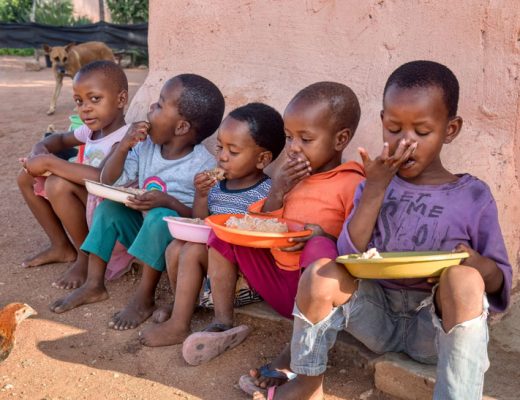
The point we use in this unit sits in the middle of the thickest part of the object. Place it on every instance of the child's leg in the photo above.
(192, 269)
(148, 246)
(69, 200)
(223, 275)
(462, 339)
(315, 249)
(61, 249)
(323, 287)
(112, 222)
(171, 255)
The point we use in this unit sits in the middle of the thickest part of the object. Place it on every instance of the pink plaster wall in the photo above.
(268, 50)
(89, 9)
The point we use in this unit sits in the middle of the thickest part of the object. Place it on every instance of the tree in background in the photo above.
(128, 11)
(15, 10)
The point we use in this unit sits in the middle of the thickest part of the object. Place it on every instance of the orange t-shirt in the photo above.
(325, 199)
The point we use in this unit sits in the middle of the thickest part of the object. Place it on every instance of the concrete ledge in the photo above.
(400, 376)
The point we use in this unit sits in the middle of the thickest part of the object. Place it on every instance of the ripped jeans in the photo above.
(404, 321)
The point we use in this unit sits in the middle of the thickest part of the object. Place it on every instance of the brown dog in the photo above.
(67, 60)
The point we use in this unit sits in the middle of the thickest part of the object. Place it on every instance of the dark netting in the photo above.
(24, 35)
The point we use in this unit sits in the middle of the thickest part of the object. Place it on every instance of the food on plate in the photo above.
(131, 190)
(216, 173)
(370, 254)
(249, 223)
(194, 221)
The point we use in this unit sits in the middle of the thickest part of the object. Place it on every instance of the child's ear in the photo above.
(382, 114)
(453, 129)
(264, 159)
(342, 139)
(122, 99)
(183, 127)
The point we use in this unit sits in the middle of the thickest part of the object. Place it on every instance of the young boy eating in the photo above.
(163, 155)
(409, 202)
(319, 123)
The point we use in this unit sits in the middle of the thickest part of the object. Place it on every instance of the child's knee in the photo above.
(25, 180)
(322, 279)
(56, 186)
(462, 282)
(172, 253)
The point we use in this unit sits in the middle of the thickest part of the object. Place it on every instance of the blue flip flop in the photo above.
(265, 370)
(247, 382)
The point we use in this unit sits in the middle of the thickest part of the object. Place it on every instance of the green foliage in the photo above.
(15, 10)
(16, 52)
(128, 11)
(58, 13)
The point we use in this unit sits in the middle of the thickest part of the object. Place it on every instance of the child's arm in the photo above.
(74, 172)
(203, 184)
(155, 198)
(379, 173)
(115, 162)
(300, 242)
(55, 143)
(290, 173)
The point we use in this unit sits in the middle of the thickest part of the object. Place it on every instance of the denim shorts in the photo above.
(384, 320)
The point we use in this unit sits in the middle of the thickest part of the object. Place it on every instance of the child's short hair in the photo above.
(265, 125)
(109, 69)
(343, 103)
(425, 74)
(201, 103)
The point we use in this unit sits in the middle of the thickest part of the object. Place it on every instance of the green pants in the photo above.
(146, 238)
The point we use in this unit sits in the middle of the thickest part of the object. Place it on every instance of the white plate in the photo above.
(107, 192)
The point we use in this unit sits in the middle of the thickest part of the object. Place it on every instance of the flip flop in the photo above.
(247, 382)
(201, 347)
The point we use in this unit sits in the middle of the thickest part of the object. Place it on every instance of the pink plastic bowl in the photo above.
(187, 231)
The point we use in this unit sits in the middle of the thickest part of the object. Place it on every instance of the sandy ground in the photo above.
(75, 355)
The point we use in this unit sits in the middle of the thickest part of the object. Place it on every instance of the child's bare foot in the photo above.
(162, 314)
(83, 295)
(134, 314)
(53, 254)
(75, 276)
(303, 387)
(163, 334)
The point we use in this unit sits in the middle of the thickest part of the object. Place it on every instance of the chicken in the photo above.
(10, 316)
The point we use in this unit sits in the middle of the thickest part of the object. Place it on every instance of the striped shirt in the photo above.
(225, 201)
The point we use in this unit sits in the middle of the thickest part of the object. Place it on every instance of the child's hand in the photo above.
(300, 241)
(290, 173)
(37, 165)
(203, 184)
(146, 201)
(382, 169)
(474, 260)
(137, 132)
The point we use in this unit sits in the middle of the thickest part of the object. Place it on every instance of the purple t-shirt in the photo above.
(437, 217)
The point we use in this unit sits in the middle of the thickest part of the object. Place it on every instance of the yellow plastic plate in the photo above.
(401, 265)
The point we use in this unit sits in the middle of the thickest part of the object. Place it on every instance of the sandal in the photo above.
(247, 382)
(203, 346)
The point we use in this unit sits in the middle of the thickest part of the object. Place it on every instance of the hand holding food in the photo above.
(137, 132)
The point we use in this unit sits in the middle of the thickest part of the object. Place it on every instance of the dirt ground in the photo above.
(75, 355)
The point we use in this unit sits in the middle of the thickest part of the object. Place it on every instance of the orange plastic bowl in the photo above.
(264, 240)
